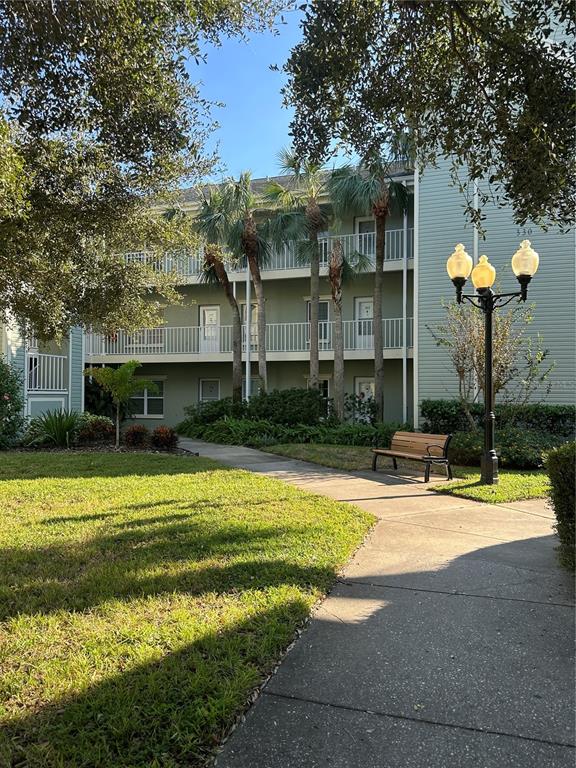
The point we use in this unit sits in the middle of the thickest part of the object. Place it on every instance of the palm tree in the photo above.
(369, 187)
(230, 221)
(213, 222)
(302, 194)
(340, 271)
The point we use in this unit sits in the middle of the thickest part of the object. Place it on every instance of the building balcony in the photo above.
(213, 343)
(286, 262)
(46, 373)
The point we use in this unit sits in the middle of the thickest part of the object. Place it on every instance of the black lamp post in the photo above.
(459, 266)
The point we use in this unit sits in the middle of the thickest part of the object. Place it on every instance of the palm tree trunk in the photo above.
(258, 290)
(222, 275)
(313, 382)
(377, 317)
(335, 274)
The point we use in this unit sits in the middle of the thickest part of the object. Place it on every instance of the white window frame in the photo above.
(212, 399)
(360, 220)
(322, 377)
(154, 397)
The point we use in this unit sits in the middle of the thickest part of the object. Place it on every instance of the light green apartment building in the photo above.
(190, 356)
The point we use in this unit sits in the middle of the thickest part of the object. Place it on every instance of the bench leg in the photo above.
(374, 460)
(449, 471)
(427, 473)
(395, 463)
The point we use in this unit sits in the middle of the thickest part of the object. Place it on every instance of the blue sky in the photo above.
(253, 122)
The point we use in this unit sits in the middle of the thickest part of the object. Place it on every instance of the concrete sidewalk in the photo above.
(448, 641)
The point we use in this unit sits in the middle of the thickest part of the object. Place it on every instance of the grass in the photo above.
(143, 597)
(514, 484)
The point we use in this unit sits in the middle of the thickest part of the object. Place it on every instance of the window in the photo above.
(209, 390)
(323, 386)
(147, 404)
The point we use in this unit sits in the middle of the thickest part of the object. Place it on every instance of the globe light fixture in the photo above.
(524, 265)
(459, 266)
(483, 274)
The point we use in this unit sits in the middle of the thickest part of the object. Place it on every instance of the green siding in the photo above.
(441, 225)
(182, 383)
(75, 352)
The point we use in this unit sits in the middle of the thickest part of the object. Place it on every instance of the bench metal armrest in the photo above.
(436, 445)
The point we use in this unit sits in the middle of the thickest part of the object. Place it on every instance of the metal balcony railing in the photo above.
(46, 373)
(216, 339)
(287, 258)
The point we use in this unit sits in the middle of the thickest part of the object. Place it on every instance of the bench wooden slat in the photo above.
(417, 446)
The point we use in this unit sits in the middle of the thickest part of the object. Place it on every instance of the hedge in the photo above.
(259, 433)
(560, 464)
(447, 416)
(516, 448)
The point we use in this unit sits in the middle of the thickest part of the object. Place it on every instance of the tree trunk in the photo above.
(377, 314)
(215, 261)
(335, 274)
(250, 238)
(314, 221)
(117, 425)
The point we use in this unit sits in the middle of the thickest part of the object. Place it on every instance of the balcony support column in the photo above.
(248, 333)
(405, 317)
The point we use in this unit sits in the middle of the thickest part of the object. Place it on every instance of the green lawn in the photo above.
(514, 484)
(143, 597)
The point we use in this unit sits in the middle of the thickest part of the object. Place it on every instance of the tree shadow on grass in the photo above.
(173, 712)
(153, 556)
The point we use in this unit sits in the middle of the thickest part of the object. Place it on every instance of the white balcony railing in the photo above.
(46, 373)
(216, 339)
(190, 265)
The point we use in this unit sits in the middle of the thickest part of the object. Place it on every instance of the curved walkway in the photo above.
(447, 641)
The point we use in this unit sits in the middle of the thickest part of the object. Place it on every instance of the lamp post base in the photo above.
(489, 469)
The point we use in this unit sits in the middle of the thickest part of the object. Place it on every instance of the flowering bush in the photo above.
(164, 439)
(11, 405)
(137, 436)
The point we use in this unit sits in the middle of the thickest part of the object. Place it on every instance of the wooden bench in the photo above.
(417, 446)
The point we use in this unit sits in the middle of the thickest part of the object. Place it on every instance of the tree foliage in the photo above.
(122, 384)
(488, 84)
(99, 118)
(521, 367)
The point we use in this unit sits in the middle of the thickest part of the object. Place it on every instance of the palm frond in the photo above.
(279, 196)
(351, 191)
(288, 163)
(284, 227)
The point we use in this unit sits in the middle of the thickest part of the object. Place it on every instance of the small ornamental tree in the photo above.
(11, 404)
(520, 363)
(122, 384)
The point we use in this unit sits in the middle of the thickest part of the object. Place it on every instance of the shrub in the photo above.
(137, 436)
(258, 434)
(447, 416)
(516, 448)
(11, 405)
(288, 406)
(560, 464)
(57, 428)
(359, 409)
(164, 439)
(95, 429)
